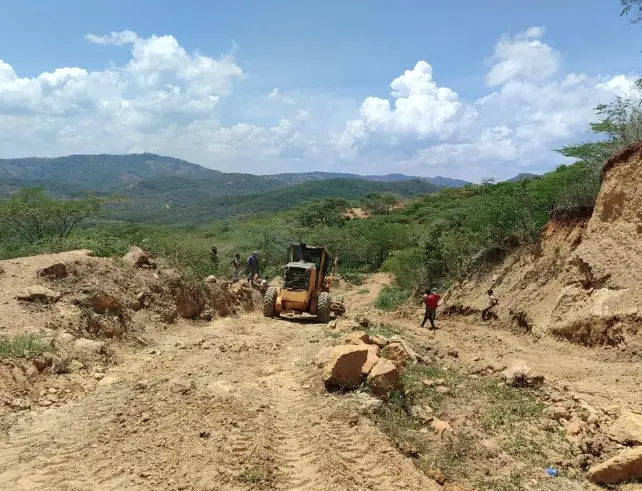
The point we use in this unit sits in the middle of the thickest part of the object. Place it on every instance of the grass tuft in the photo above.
(23, 346)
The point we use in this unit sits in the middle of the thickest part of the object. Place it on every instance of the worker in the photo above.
(214, 258)
(492, 301)
(253, 266)
(236, 267)
(431, 299)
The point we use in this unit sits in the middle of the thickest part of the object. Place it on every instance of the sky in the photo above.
(463, 88)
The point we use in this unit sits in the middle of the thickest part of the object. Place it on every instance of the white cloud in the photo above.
(167, 100)
(524, 57)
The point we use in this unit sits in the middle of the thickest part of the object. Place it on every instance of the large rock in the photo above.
(626, 466)
(356, 337)
(345, 368)
(37, 293)
(371, 361)
(101, 303)
(55, 271)
(89, 346)
(519, 374)
(627, 429)
(138, 258)
(396, 353)
(384, 378)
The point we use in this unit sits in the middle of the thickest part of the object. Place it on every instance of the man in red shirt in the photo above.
(432, 301)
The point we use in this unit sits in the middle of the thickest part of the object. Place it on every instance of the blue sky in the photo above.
(332, 63)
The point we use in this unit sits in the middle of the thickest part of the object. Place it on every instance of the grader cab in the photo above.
(307, 280)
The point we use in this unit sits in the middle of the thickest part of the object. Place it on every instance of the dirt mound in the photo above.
(582, 281)
(63, 315)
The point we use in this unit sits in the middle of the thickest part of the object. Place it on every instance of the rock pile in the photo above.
(375, 360)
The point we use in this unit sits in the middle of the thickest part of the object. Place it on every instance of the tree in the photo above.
(620, 124)
(30, 216)
(328, 211)
(378, 203)
(632, 7)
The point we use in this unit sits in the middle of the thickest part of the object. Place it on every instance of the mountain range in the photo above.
(166, 189)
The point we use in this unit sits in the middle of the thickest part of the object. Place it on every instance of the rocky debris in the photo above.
(384, 378)
(363, 321)
(55, 271)
(396, 353)
(626, 466)
(422, 413)
(379, 341)
(344, 370)
(356, 337)
(139, 258)
(519, 374)
(83, 345)
(627, 429)
(211, 279)
(371, 361)
(74, 365)
(37, 293)
(48, 362)
(143, 300)
(102, 302)
(437, 476)
(19, 404)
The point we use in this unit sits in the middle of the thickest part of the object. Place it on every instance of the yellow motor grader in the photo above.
(307, 280)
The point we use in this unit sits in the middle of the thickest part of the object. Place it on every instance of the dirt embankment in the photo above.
(64, 316)
(582, 282)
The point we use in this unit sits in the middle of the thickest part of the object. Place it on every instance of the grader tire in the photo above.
(269, 301)
(324, 307)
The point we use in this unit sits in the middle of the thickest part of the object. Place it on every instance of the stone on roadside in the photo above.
(323, 357)
(37, 293)
(356, 337)
(371, 361)
(384, 378)
(437, 476)
(519, 374)
(379, 341)
(55, 271)
(627, 429)
(625, 466)
(344, 369)
(84, 345)
(74, 365)
(138, 258)
(396, 353)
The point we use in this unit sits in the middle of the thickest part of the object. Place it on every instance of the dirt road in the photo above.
(233, 405)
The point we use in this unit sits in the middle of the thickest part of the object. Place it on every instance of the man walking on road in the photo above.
(432, 301)
(253, 266)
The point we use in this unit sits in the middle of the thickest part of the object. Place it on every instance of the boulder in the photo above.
(519, 374)
(625, 466)
(55, 271)
(371, 361)
(627, 429)
(323, 357)
(89, 346)
(356, 337)
(37, 293)
(138, 258)
(344, 370)
(189, 302)
(396, 353)
(384, 378)
(102, 302)
(211, 279)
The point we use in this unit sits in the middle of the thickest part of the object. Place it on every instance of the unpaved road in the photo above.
(231, 405)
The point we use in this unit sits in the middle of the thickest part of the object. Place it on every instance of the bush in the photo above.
(391, 297)
(24, 345)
